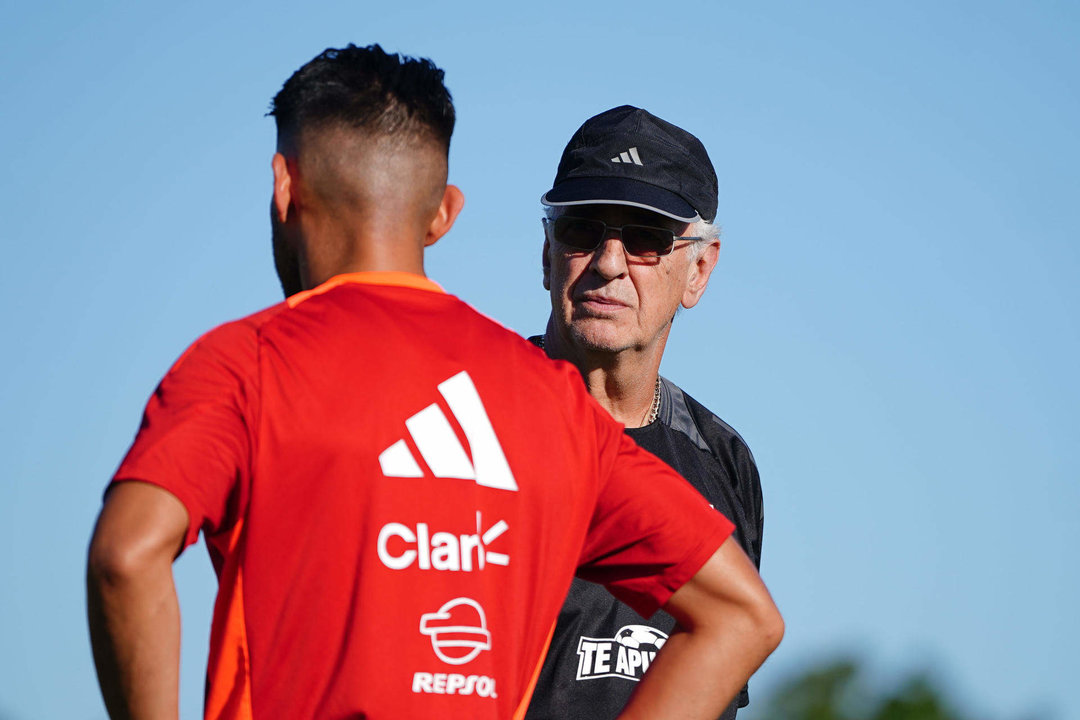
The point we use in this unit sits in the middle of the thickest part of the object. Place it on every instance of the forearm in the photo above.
(135, 633)
(697, 674)
(728, 625)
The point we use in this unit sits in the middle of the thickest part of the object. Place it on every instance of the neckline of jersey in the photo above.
(371, 277)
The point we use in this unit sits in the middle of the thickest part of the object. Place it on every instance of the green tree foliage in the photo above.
(839, 691)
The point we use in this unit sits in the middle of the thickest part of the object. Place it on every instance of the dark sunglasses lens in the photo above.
(579, 233)
(645, 241)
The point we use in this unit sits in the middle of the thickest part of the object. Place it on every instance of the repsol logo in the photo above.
(627, 655)
(401, 546)
(454, 684)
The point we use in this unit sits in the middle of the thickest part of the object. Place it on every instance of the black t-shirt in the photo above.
(601, 647)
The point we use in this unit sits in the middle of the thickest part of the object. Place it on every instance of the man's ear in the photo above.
(452, 202)
(699, 273)
(545, 258)
(282, 186)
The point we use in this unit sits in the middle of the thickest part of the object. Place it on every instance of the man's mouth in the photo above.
(599, 304)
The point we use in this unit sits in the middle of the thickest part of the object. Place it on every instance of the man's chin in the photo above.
(599, 337)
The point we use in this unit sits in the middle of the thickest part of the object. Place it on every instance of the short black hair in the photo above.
(366, 88)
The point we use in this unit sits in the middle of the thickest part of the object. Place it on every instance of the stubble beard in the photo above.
(589, 336)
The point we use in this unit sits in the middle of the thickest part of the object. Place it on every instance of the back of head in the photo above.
(367, 130)
(364, 89)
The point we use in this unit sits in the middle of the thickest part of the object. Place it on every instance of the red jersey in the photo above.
(395, 492)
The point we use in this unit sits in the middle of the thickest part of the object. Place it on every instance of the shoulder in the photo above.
(728, 456)
(532, 369)
(232, 344)
(701, 426)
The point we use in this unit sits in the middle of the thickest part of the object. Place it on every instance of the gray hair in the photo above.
(707, 231)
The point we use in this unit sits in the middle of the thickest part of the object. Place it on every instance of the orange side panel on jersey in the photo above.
(523, 706)
(397, 279)
(228, 673)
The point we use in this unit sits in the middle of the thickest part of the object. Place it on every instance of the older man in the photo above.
(369, 564)
(629, 239)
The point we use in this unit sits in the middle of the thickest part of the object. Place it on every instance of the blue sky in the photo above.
(894, 325)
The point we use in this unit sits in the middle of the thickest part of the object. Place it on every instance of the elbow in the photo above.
(767, 622)
(111, 564)
(140, 530)
(117, 559)
(772, 628)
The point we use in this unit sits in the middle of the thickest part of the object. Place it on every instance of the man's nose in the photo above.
(609, 259)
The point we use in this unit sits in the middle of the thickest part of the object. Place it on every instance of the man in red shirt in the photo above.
(395, 491)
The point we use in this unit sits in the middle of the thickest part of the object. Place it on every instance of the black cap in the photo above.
(628, 156)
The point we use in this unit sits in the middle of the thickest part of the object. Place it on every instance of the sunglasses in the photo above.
(639, 240)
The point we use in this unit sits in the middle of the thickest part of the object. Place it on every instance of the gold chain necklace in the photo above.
(655, 403)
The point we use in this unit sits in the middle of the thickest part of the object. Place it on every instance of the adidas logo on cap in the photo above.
(628, 156)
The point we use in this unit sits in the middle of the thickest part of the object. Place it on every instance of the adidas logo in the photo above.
(439, 446)
(629, 156)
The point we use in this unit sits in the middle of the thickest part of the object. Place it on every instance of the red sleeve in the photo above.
(651, 530)
(196, 435)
